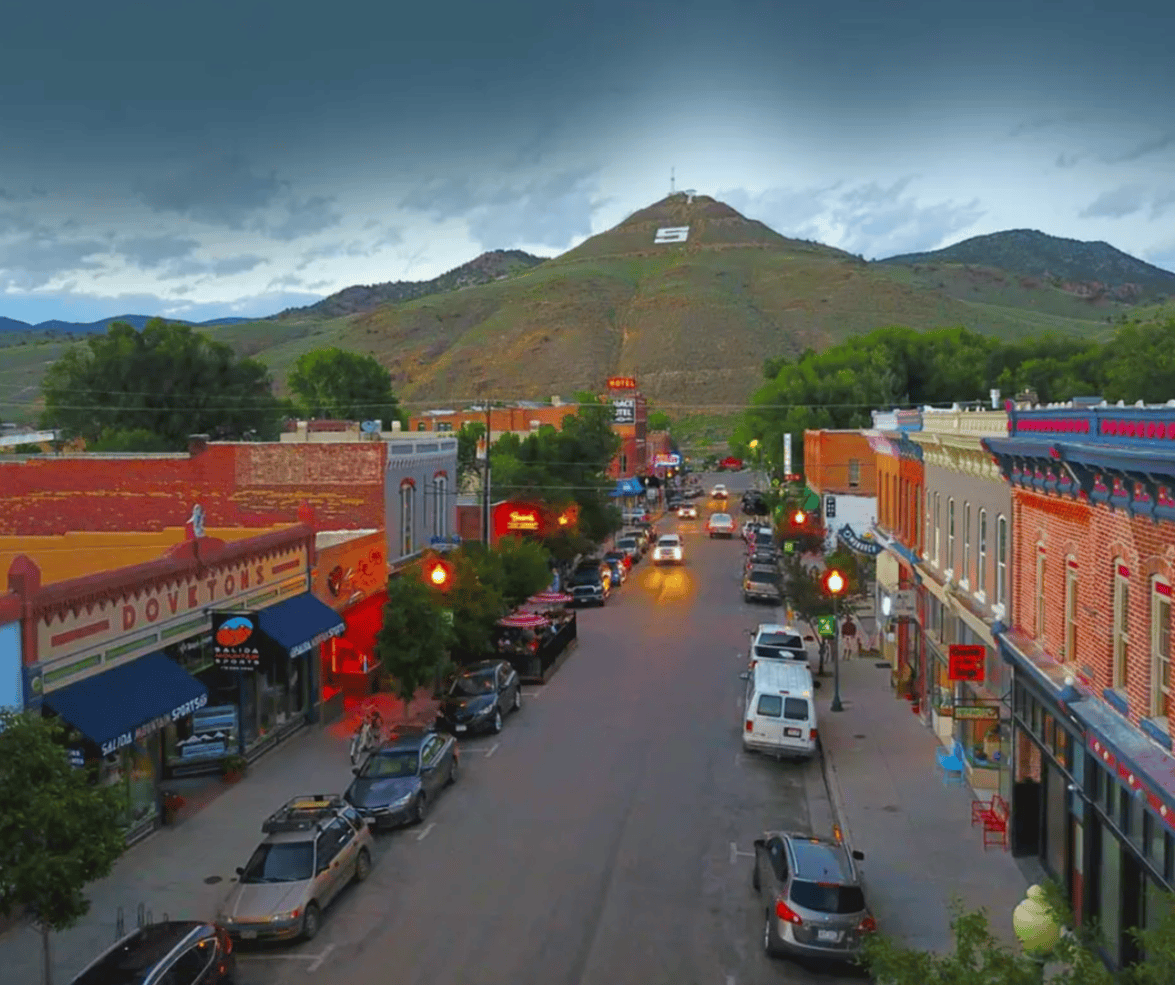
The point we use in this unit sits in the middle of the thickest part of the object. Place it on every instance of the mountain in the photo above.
(86, 328)
(1092, 270)
(495, 265)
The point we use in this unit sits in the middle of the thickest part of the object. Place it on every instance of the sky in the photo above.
(235, 158)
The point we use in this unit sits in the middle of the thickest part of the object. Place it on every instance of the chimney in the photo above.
(197, 444)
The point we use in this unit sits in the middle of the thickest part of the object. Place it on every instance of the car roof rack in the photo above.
(304, 813)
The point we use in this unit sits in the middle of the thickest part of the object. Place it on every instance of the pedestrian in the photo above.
(849, 634)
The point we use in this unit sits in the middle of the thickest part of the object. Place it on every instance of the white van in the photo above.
(779, 713)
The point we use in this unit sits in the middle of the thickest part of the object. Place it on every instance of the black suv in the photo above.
(591, 584)
(178, 952)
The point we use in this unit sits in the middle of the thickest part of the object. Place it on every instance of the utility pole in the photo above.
(485, 481)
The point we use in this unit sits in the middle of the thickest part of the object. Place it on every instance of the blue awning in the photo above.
(129, 702)
(299, 624)
(628, 487)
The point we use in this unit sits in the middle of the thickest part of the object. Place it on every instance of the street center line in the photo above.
(424, 834)
(733, 853)
(492, 749)
(321, 958)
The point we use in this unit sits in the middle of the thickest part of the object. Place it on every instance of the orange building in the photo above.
(840, 467)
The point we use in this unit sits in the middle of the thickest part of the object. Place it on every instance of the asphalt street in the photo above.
(603, 838)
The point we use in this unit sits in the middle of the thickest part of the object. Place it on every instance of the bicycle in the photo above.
(368, 736)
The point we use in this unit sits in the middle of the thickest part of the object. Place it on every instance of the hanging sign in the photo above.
(621, 382)
(235, 640)
(965, 662)
(852, 540)
(624, 411)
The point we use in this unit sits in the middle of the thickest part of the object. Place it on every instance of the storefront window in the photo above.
(1056, 820)
(943, 698)
(985, 739)
(1109, 892)
(132, 771)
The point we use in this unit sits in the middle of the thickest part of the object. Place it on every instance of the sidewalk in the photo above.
(920, 848)
(183, 871)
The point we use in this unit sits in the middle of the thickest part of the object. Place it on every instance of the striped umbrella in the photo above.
(549, 598)
(524, 620)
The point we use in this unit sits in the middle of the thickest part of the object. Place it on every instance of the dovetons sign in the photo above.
(672, 234)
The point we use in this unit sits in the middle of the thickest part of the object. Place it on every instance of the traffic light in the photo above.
(799, 518)
(439, 574)
(834, 582)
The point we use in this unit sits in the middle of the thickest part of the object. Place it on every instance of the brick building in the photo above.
(1088, 638)
(840, 468)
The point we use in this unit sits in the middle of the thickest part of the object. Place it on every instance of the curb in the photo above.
(840, 828)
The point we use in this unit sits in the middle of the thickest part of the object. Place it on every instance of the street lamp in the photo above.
(799, 517)
(834, 584)
(1036, 927)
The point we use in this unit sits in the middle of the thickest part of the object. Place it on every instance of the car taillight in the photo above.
(812, 735)
(750, 725)
(867, 926)
(785, 912)
(225, 941)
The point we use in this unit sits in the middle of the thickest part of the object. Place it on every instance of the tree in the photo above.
(657, 420)
(58, 828)
(168, 380)
(526, 569)
(414, 642)
(128, 439)
(476, 600)
(468, 436)
(342, 385)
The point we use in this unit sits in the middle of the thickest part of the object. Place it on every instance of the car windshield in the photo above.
(286, 861)
(788, 640)
(827, 899)
(468, 685)
(668, 542)
(387, 765)
(720, 518)
(626, 542)
(763, 577)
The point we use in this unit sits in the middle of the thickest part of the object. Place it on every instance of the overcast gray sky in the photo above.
(234, 157)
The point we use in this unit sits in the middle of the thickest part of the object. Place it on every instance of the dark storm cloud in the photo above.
(16, 221)
(36, 260)
(305, 217)
(151, 252)
(222, 190)
(1048, 122)
(388, 236)
(220, 267)
(1068, 160)
(1116, 203)
(1144, 148)
(1162, 204)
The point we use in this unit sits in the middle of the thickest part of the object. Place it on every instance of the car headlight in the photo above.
(289, 915)
(400, 801)
(482, 712)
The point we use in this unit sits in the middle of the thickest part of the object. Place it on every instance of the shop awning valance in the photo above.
(129, 702)
(299, 624)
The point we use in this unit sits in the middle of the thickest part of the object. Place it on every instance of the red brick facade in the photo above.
(840, 462)
(237, 484)
(1093, 542)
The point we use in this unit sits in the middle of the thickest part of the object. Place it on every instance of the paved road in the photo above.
(599, 839)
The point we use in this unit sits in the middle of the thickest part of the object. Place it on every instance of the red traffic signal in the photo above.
(438, 574)
(799, 517)
(834, 582)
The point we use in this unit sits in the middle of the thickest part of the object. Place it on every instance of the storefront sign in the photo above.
(522, 520)
(236, 640)
(77, 758)
(154, 605)
(349, 572)
(965, 662)
(148, 729)
(621, 383)
(900, 604)
(849, 537)
(976, 712)
(830, 507)
(624, 411)
(514, 519)
(214, 734)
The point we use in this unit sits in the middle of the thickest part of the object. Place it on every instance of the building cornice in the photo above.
(963, 454)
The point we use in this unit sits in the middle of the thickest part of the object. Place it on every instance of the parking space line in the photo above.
(492, 749)
(321, 958)
(736, 853)
(424, 834)
(534, 692)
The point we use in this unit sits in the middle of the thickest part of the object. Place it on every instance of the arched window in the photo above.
(1041, 576)
(407, 519)
(981, 558)
(1001, 560)
(440, 515)
(1161, 683)
(1070, 609)
(1121, 603)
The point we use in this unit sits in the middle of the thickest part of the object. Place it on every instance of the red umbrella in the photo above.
(524, 620)
(549, 598)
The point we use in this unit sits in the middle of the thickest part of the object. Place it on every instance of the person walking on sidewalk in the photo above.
(848, 634)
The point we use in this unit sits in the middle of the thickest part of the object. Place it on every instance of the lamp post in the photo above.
(1036, 927)
(753, 444)
(834, 584)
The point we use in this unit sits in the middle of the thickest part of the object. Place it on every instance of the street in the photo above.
(604, 837)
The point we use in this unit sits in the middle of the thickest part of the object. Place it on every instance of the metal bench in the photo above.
(993, 815)
(951, 764)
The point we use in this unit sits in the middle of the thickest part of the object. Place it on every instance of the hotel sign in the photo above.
(624, 411)
(621, 382)
(147, 611)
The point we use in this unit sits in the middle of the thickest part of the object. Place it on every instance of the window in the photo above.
(1001, 560)
(967, 542)
(854, 473)
(1041, 574)
(623, 463)
(770, 706)
(927, 523)
(1070, 609)
(407, 504)
(951, 533)
(1160, 648)
(981, 565)
(439, 513)
(937, 525)
(1121, 623)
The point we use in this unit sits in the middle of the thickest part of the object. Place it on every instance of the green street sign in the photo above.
(826, 626)
(789, 547)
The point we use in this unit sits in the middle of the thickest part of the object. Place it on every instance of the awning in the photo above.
(299, 624)
(628, 487)
(129, 702)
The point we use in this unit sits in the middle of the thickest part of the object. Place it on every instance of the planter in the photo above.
(233, 776)
(172, 804)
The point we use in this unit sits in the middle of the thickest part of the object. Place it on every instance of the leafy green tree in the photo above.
(334, 383)
(167, 380)
(1142, 366)
(129, 439)
(59, 830)
(413, 644)
(526, 569)
(476, 600)
(658, 420)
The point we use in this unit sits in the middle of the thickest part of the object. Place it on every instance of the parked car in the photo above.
(669, 550)
(630, 544)
(314, 846)
(758, 540)
(174, 952)
(719, 492)
(762, 556)
(812, 896)
(773, 641)
(479, 697)
(685, 512)
(616, 555)
(591, 583)
(619, 569)
(720, 525)
(396, 784)
(763, 583)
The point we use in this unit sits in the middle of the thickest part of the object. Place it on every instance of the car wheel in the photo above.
(311, 922)
(518, 699)
(362, 865)
(770, 937)
(454, 768)
(496, 724)
(419, 809)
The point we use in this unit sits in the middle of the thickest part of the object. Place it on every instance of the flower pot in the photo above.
(232, 776)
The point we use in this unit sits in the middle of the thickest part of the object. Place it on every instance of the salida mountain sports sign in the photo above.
(235, 640)
(855, 542)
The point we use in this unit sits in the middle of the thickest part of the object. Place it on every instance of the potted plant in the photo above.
(233, 768)
(172, 804)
